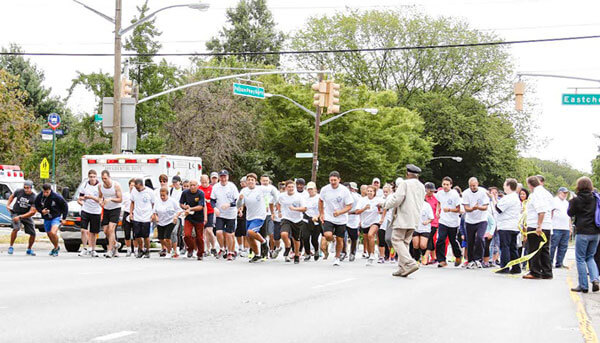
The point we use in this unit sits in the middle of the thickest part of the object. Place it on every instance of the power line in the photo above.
(303, 52)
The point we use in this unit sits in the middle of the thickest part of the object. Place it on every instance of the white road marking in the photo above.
(112, 336)
(333, 283)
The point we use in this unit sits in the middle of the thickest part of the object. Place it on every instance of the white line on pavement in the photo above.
(333, 283)
(112, 336)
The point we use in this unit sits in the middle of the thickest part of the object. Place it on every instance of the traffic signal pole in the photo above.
(116, 141)
(315, 162)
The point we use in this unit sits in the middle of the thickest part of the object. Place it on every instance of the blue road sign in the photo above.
(49, 132)
(54, 120)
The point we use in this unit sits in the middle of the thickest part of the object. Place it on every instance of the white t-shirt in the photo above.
(354, 219)
(334, 200)
(389, 216)
(227, 194)
(254, 199)
(175, 193)
(560, 218)
(478, 198)
(449, 200)
(143, 202)
(312, 206)
(166, 210)
(371, 215)
(508, 219)
(126, 204)
(426, 214)
(539, 202)
(295, 200)
(90, 206)
(270, 195)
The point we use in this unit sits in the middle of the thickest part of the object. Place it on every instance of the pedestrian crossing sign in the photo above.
(44, 169)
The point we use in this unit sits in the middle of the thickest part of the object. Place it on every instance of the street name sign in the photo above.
(304, 155)
(581, 99)
(248, 90)
(49, 132)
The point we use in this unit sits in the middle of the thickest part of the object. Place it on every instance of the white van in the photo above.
(11, 179)
(122, 168)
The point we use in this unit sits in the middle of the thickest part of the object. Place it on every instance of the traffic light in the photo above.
(333, 97)
(321, 95)
(519, 90)
(126, 88)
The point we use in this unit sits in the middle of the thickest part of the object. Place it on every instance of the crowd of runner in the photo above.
(404, 222)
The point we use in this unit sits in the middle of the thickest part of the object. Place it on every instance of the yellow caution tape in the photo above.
(528, 256)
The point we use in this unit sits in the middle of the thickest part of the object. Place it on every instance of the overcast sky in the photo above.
(565, 131)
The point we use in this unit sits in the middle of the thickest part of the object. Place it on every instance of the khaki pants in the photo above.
(400, 240)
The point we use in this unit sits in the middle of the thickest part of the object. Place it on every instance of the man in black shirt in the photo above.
(21, 213)
(52, 206)
(192, 201)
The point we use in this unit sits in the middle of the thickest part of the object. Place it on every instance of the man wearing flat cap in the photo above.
(406, 204)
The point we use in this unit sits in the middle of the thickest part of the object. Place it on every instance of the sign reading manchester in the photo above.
(247, 90)
(581, 99)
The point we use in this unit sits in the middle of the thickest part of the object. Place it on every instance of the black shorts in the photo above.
(337, 229)
(352, 233)
(240, 230)
(210, 220)
(127, 226)
(141, 230)
(276, 230)
(431, 242)
(421, 234)
(91, 220)
(227, 225)
(26, 223)
(292, 228)
(111, 216)
(381, 239)
(164, 232)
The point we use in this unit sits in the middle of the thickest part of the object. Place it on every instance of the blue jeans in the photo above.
(560, 241)
(585, 248)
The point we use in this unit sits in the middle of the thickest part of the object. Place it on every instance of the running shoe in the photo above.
(457, 261)
(287, 259)
(352, 258)
(55, 254)
(381, 260)
(51, 253)
(147, 253)
(212, 251)
(478, 264)
(297, 259)
(107, 255)
(175, 256)
(370, 261)
(30, 252)
(251, 254)
(255, 259)
(306, 258)
(486, 265)
(11, 250)
(168, 255)
(230, 257)
(140, 253)
(276, 253)
(264, 248)
(190, 254)
(317, 255)
(365, 255)
(200, 258)
(471, 265)
(93, 253)
(128, 253)
(336, 262)
(442, 264)
(162, 253)
(342, 256)
(84, 252)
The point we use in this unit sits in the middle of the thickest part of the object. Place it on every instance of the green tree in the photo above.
(17, 121)
(30, 80)
(251, 28)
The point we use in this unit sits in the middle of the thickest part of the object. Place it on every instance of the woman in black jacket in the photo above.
(587, 234)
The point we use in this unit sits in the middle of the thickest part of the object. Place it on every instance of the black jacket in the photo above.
(54, 202)
(583, 208)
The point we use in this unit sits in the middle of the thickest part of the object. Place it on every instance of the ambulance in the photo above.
(122, 168)
(11, 179)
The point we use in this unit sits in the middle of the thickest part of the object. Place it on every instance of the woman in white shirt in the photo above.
(509, 212)
(421, 234)
(370, 221)
(165, 214)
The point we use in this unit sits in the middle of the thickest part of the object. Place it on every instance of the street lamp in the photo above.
(116, 142)
(373, 111)
(455, 158)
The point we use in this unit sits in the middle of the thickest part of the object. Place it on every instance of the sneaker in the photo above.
(486, 265)
(230, 257)
(471, 265)
(264, 249)
(107, 255)
(190, 254)
(365, 255)
(442, 264)
(287, 259)
(30, 252)
(255, 259)
(381, 260)
(11, 250)
(199, 257)
(162, 253)
(118, 246)
(306, 258)
(336, 262)
(370, 262)
(51, 253)
(276, 252)
(251, 254)
(352, 258)
(297, 259)
(55, 254)
(595, 286)
(128, 254)
(342, 256)
(212, 252)
(93, 253)
(168, 255)
(147, 253)
(84, 252)
(457, 261)
(317, 255)
(478, 264)
(175, 256)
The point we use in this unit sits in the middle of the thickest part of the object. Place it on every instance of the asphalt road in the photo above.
(73, 299)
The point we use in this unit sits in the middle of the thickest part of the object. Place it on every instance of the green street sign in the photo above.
(304, 155)
(97, 117)
(249, 91)
(581, 99)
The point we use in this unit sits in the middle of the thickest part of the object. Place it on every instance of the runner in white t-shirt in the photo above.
(252, 198)
(449, 222)
(509, 212)
(353, 225)
(142, 204)
(223, 200)
(291, 207)
(335, 201)
(562, 227)
(89, 200)
(423, 231)
(476, 201)
(370, 221)
(313, 225)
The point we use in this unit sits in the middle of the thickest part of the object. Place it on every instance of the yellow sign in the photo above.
(44, 169)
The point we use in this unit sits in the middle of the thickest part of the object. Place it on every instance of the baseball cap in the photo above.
(243, 179)
(223, 172)
(214, 174)
(311, 185)
(429, 185)
(376, 180)
(354, 186)
(563, 189)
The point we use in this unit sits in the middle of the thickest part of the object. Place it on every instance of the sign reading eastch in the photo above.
(247, 90)
(581, 99)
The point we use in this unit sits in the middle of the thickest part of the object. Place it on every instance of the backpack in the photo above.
(597, 212)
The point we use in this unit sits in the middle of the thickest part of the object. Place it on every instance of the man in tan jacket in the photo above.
(406, 204)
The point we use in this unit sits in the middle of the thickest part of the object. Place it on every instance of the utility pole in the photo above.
(116, 141)
(319, 102)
